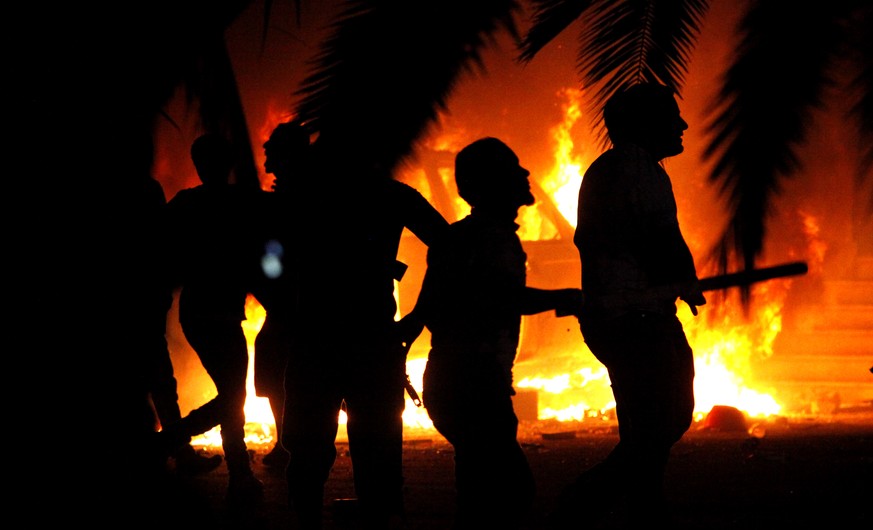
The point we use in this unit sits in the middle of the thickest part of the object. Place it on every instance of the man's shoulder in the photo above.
(185, 196)
(463, 224)
(620, 168)
(455, 233)
(475, 232)
(624, 154)
(402, 189)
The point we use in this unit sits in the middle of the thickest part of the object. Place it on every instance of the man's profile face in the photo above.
(516, 182)
(665, 130)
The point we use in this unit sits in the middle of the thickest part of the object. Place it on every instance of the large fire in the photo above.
(566, 382)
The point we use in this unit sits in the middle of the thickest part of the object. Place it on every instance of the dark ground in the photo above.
(802, 474)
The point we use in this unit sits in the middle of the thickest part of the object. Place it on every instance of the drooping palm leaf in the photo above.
(629, 42)
(211, 87)
(549, 19)
(777, 79)
(622, 42)
(861, 45)
(389, 66)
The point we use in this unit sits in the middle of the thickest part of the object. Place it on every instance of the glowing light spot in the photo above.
(271, 261)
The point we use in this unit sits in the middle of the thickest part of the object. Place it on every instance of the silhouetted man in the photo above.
(212, 247)
(348, 349)
(473, 297)
(155, 301)
(635, 265)
(287, 154)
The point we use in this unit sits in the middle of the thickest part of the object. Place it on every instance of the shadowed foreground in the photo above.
(801, 473)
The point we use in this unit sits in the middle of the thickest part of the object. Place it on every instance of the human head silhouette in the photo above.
(286, 151)
(647, 115)
(488, 175)
(213, 158)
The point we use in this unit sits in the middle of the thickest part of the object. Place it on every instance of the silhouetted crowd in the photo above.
(319, 252)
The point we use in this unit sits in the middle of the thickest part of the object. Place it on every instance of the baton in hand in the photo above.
(738, 279)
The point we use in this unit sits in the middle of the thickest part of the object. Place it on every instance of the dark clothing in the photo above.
(628, 235)
(272, 347)
(369, 378)
(473, 299)
(476, 306)
(633, 260)
(651, 369)
(151, 297)
(275, 287)
(346, 348)
(348, 262)
(164, 386)
(221, 348)
(213, 250)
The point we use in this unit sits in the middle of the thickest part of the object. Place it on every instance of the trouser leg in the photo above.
(310, 423)
(375, 427)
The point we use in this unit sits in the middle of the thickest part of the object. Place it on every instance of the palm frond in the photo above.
(550, 18)
(388, 67)
(211, 85)
(622, 42)
(861, 43)
(632, 41)
(777, 79)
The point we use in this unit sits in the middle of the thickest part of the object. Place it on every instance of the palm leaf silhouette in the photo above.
(775, 82)
(384, 73)
(781, 73)
(622, 42)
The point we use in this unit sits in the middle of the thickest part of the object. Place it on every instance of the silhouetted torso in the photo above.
(213, 256)
(346, 348)
(628, 232)
(349, 264)
(472, 300)
(476, 307)
(282, 218)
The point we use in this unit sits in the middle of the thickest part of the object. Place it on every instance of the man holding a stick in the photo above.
(635, 266)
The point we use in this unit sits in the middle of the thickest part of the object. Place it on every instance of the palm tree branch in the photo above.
(766, 101)
(632, 41)
(549, 19)
(860, 41)
(377, 84)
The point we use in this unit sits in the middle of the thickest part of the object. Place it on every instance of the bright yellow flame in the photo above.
(570, 396)
(413, 416)
(562, 184)
(724, 348)
(572, 385)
